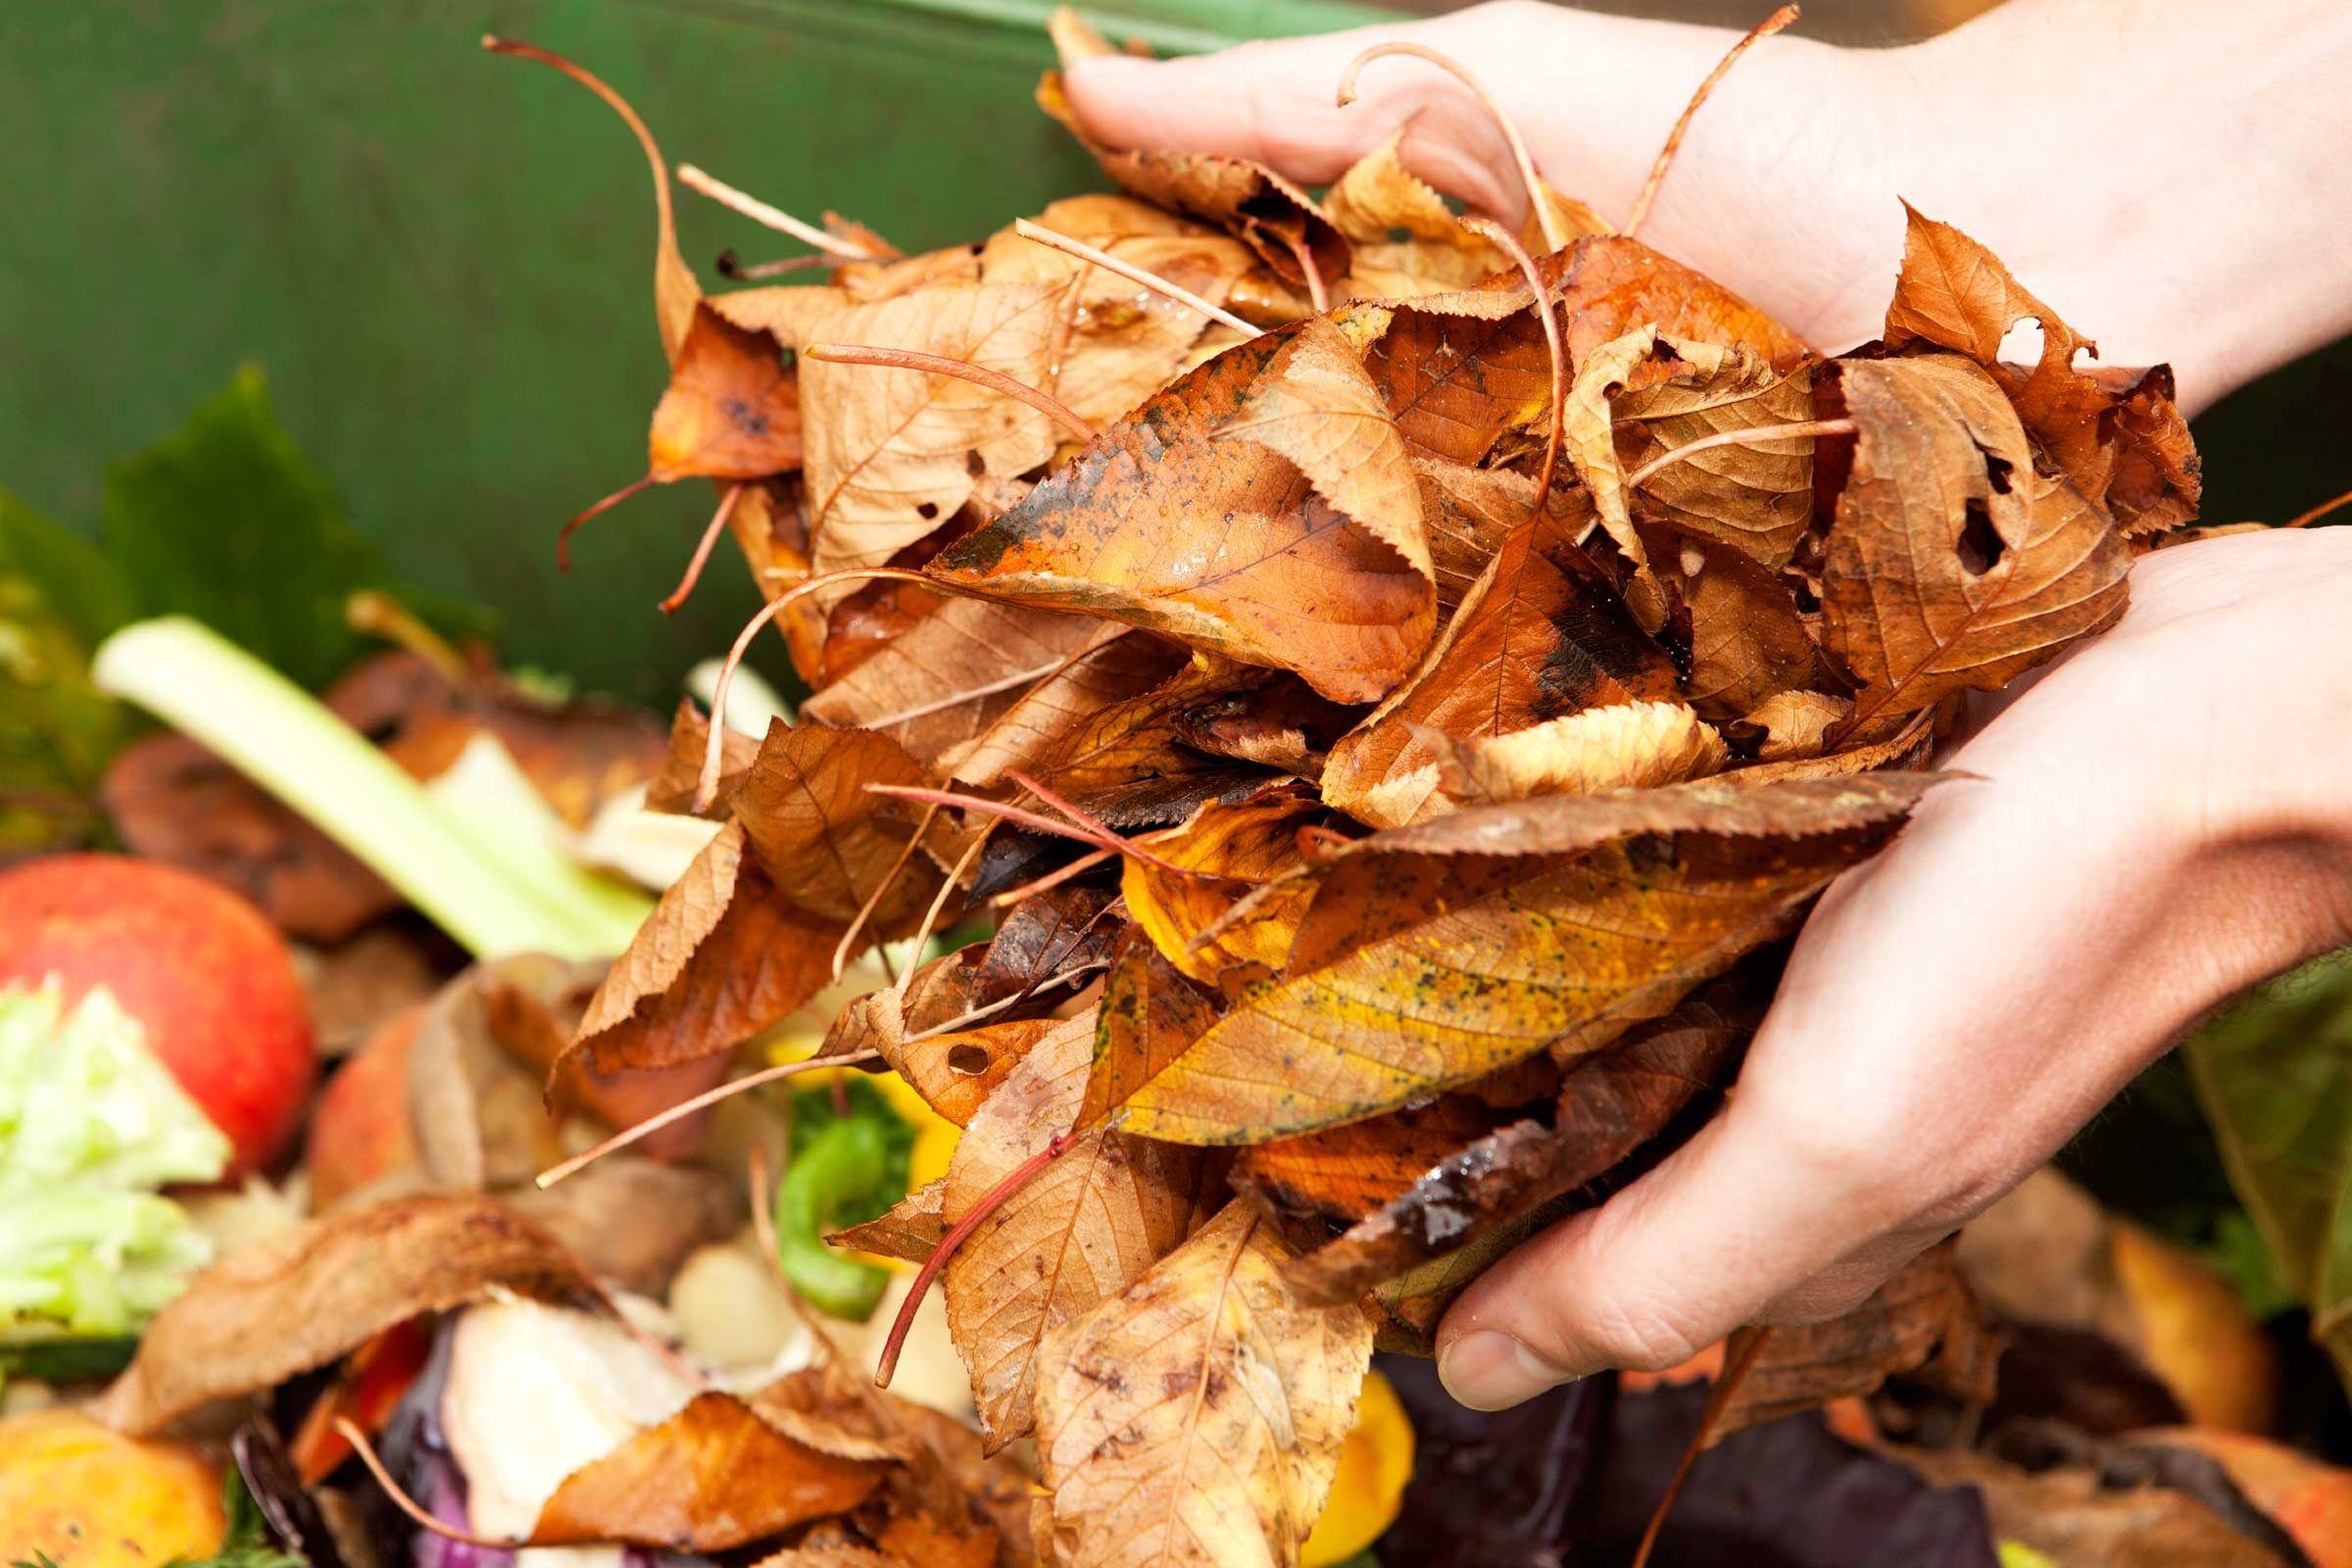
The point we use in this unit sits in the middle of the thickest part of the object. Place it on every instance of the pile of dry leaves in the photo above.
(1390, 692)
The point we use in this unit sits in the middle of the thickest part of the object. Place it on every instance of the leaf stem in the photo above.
(687, 1108)
(990, 1202)
(604, 504)
(1050, 407)
(1503, 238)
(705, 788)
(2307, 518)
(1317, 293)
(1052, 879)
(1727, 1383)
(1158, 284)
(417, 1513)
(732, 266)
(702, 550)
(775, 218)
(1737, 438)
(1674, 138)
(865, 910)
(1553, 236)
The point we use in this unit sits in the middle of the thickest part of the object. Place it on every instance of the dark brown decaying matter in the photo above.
(1373, 838)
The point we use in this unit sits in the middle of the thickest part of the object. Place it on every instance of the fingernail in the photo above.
(1490, 1370)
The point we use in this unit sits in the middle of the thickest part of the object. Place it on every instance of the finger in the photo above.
(1274, 103)
(1736, 1219)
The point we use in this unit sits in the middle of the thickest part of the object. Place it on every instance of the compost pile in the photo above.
(1391, 690)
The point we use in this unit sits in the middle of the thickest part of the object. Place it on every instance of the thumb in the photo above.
(1275, 103)
(1733, 1221)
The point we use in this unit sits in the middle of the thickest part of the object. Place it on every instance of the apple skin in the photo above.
(359, 1127)
(203, 969)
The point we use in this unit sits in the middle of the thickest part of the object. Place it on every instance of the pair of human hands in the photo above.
(2153, 824)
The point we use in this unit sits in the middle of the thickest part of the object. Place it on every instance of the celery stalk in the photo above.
(283, 740)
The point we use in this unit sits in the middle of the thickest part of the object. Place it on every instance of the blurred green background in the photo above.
(442, 260)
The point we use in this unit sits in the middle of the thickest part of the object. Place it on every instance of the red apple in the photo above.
(359, 1128)
(200, 967)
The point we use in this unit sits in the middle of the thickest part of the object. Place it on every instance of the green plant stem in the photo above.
(283, 740)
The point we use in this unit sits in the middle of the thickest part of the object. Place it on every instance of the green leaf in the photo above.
(226, 521)
(78, 584)
(59, 594)
(2275, 1077)
(247, 1543)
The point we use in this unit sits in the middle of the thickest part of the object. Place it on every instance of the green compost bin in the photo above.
(442, 259)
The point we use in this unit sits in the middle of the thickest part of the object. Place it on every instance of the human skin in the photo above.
(2155, 822)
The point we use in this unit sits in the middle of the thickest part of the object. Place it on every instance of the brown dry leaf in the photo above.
(1610, 1103)
(1627, 746)
(174, 800)
(1434, 955)
(1953, 563)
(1796, 724)
(839, 1557)
(2116, 432)
(1271, 573)
(732, 410)
(1142, 736)
(633, 1221)
(1150, 1015)
(717, 1474)
(1115, 666)
(893, 454)
(1250, 201)
(578, 752)
(1043, 944)
(1245, 843)
(1345, 1173)
(1458, 369)
(1076, 1234)
(1321, 412)
(956, 1073)
(723, 956)
(1540, 637)
(1123, 342)
(1281, 725)
(1468, 514)
(1612, 285)
(1755, 495)
(2079, 1517)
(479, 1116)
(943, 683)
(1589, 441)
(1923, 1323)
(1378, 199)
(311, 1294)
(1197, 1418)
(910, 1231)
(825, 841)
(1747, 640)
(673, 788)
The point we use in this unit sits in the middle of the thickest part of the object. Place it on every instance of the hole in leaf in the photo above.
(928, 511)
(974, 463)
(969, 1059)
(2022, 343)
(1997, 470)
(1980, 547)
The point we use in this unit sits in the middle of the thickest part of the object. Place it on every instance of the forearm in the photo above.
(2170, 176)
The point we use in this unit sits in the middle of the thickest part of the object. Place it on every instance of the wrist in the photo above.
(2162, 173)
